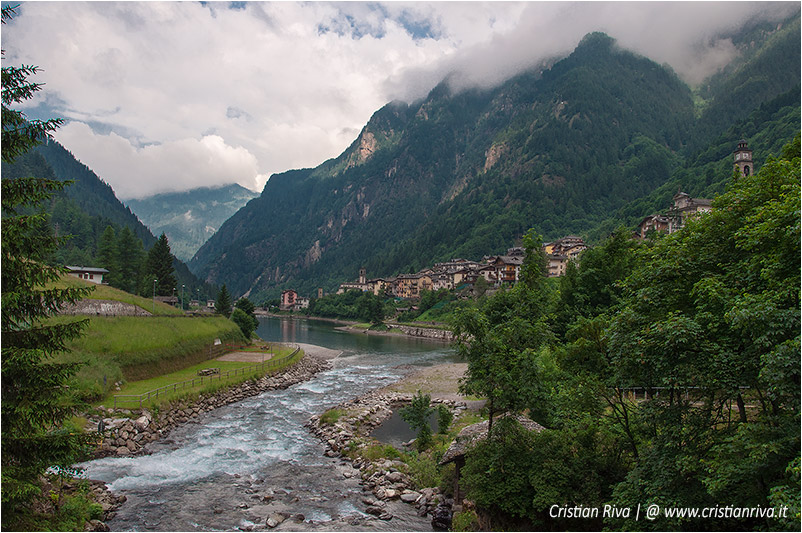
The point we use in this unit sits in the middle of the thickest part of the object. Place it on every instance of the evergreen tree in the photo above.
(131, 256)
(247, 307)
(160, 266)
(222, 305)
(108, 256)
(35, 400)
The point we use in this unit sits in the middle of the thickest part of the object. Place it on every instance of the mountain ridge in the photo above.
(189, 218)
(466, 173)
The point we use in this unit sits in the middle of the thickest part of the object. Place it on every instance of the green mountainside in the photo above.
(189, 218)
(600, 139)
(86, 208)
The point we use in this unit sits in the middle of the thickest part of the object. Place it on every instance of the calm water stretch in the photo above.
(215, 474)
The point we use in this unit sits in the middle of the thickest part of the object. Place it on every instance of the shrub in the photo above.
(465, 521)
(380, 451)
(417, 416)
(332, 416)
(444, 419)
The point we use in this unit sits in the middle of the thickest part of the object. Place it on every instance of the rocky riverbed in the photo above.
(129, 435)
(383, 478)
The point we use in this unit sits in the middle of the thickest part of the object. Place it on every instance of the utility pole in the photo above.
(154, 296)
(182, 298)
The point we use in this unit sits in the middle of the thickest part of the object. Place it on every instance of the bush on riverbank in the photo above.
(331, 416)
(63, 505)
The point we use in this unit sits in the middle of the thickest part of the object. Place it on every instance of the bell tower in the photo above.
(743, 159)
(362, 275)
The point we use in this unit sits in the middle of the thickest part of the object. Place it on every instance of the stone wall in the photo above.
(103, 308)
(428, 333)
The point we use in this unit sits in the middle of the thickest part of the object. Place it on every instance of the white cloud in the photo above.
(166, 167)
(200, 94)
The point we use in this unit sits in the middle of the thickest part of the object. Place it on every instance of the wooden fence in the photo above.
(200, 380)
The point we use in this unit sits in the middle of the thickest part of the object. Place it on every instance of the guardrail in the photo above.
(190, 383)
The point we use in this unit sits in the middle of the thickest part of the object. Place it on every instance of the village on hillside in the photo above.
(504, 270)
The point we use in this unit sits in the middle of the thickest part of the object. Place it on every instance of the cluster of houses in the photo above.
(685, 207)
(497, 271)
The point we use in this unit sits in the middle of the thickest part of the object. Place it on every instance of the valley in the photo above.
(556, 270)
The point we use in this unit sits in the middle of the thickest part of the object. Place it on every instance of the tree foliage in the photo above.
(703, 325)
(244, 316)
(222, 304)
(35, 401)
(501, 338)
(416, 414)
(159, 266)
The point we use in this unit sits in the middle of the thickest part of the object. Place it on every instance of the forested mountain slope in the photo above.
(562, 150)
(86, 208)
(189, 218)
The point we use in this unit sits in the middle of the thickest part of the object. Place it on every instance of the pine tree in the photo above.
(131, 255)
(222, 305)
(160, 267)
(108, 256)
(36, 402)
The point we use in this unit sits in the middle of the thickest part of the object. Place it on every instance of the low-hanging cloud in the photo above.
(167, 167)
(694, 38)
(174, 95)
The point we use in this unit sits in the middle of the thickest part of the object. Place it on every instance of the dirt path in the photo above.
(247, 357)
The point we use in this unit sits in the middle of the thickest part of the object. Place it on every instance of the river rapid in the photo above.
(236, 465)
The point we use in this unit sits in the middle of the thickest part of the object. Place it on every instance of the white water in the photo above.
(208, 475)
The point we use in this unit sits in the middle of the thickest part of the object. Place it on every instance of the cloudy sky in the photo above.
(168, 96)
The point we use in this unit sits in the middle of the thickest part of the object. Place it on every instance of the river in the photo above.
(240, 463)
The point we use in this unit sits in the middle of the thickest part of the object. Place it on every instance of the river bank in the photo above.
(130, 436)
(389, 480)
(252, 465)
(400, 330)
(123, 436)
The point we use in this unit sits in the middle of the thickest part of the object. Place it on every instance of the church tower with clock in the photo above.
(743, 159)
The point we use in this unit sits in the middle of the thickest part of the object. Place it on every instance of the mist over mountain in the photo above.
(466, 173)
(189, 218)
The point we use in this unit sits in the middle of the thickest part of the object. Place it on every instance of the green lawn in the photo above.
(124, 348)
(207, 384)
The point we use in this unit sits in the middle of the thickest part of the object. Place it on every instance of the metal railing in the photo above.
(200, 380)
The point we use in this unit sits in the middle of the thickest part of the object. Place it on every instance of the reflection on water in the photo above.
(208, 475)
(396, 431)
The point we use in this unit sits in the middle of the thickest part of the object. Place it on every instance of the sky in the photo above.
(170, 96)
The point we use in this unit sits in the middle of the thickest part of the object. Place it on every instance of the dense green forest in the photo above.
(98, 230)
(665, 373)
(601, 138)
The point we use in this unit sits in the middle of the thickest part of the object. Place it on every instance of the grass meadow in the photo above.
(122, 348)
(209, 384)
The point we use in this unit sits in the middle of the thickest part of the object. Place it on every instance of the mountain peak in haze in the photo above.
(189, 218)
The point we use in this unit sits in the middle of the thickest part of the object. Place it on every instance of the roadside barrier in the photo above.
(200, 380)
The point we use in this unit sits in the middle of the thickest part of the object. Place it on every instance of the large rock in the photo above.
(142, 422)
(394, 477)
(410, 497)
(275, 519)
